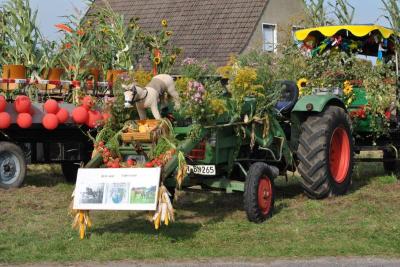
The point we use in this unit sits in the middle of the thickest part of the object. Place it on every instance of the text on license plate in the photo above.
(202, 169)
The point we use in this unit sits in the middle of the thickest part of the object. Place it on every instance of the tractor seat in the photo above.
(289, 96)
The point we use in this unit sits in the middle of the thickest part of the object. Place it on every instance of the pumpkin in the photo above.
(22, 104)
(51, 106)
(50, 121)
(3, 103)
(62, 115)
(5, 120)
(80, 115)
(24, 120)
(95, 118)
(87, 102)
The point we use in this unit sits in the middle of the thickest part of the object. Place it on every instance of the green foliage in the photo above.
(121, 46)
(119, 113)
(197, 70)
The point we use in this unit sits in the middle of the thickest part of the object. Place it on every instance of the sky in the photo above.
(50, 12)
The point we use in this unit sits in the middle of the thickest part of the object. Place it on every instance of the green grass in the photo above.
(35, 225)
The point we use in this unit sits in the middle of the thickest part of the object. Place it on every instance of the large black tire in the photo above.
(326, 153)
(12, 165)
(259, 192)
(390, 164)
(70, 171)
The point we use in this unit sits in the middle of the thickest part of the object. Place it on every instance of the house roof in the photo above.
(207, 29)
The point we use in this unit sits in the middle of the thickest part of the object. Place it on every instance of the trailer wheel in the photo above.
(12, 165)
(326, 153)
(70, 171)
(259, 192)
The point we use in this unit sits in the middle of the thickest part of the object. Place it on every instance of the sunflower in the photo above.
(347, 88)
(157, 60)
(164, 23)
(301, 84)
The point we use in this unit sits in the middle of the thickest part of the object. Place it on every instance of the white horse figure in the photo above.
(149, 96)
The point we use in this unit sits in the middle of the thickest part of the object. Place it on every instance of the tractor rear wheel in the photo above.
(326, 153)
(259, 192)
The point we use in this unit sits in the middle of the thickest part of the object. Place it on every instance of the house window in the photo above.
(269, 37)
(294, 29)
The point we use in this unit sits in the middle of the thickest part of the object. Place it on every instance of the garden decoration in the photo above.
(227, 143)
(148, 97)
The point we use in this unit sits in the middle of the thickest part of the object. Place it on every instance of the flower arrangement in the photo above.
(161, 53)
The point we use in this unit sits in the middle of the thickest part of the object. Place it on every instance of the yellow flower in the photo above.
(164, 23)
(347, 88)
(301, 84)
(157, 60)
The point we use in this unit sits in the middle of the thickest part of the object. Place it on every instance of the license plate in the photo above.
(208, 170)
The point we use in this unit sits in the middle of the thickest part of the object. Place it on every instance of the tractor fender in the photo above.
(300, 113)
(319, 103)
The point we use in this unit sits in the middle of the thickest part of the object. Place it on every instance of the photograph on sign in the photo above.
(117, 189)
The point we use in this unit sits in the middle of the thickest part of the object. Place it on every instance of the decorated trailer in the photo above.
(44, 128)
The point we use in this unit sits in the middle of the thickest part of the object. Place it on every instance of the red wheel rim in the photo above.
(339, 155)
(265, 195)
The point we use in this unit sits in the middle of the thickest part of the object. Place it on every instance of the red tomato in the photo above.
(149, 164)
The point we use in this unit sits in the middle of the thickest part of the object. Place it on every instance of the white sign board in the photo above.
(117, 189)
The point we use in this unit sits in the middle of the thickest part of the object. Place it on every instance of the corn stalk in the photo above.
(343, 11)
(316, 13)
(20, 34)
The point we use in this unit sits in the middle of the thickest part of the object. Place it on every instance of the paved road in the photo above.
(317, 262)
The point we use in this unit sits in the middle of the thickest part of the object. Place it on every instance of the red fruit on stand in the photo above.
(51, 106)
(87, 102)
(50, 121)
(95, 118)
(3, 103)
(80, 115)
(62, 115)
(22, 104)
(5, 120)
(24, 120)
(130, 162)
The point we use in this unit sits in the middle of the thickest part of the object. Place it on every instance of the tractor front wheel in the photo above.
(326, 153)
(259, 192)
